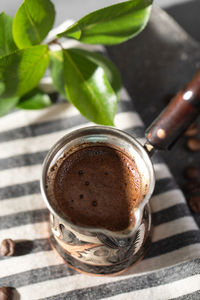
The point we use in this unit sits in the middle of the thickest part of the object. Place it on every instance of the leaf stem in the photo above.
(55, 41)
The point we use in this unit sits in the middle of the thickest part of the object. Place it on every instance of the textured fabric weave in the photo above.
(170, 268)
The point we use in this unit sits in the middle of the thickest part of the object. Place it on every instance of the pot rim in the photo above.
(86, 131)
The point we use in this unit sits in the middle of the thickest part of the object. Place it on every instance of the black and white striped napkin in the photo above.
(171, 268)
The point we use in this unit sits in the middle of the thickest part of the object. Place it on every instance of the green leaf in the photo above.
(32, 22)
(34, 100)
(57, 71)
(22, 70)
(7, 104)
(2, 87)
(111, 25)
(7, 44)
(110, 69)
(88, 88)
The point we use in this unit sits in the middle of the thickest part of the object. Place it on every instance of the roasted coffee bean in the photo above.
(7, 247)
(191, 172)
(192, 130)
(194, 203)
(193, 144)
(192, 186)
(6, 293)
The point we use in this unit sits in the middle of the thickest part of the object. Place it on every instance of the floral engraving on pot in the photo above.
(98, 255)
(69, 237)
(55, 226)
(103, 254)
(139, 238)
(104, 250)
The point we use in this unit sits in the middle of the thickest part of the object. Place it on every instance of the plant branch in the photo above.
(55, 42)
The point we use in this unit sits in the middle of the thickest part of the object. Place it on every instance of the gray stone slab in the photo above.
(187, 15)
(154, 66)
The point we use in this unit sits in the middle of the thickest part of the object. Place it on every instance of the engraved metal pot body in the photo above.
(98, 250)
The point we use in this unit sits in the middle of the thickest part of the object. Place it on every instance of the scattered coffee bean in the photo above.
(191, 186)
(194, 203)
(193, 144)
(192, 130)
(94, 203)
(81, 196)
(6, 293)
(80, 172)
(7, 247)
(87, 183)
(191, 172)
(106, 173)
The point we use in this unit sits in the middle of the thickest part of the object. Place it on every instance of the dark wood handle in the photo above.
(176, 117)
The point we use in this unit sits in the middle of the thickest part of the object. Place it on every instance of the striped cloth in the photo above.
(170, 270)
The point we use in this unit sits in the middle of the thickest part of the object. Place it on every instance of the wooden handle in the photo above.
(176, 117)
